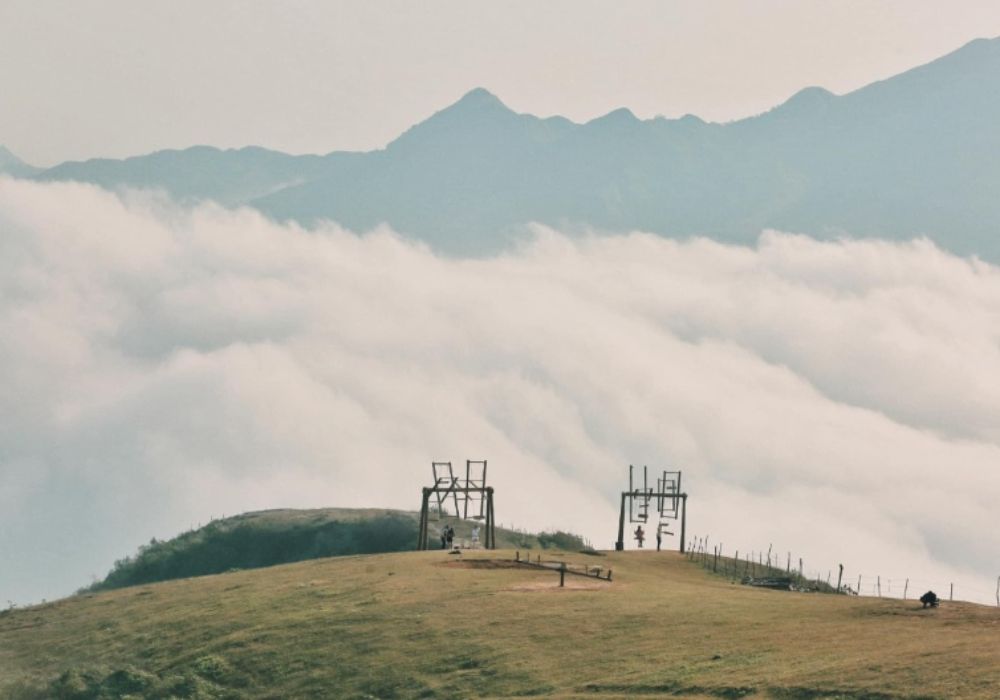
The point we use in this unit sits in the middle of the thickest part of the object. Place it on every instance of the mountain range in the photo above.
(913, 155)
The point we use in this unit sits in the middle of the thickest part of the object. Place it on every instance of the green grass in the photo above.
(420, 625)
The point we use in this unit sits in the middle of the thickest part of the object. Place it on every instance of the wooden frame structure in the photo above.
(670, 500)
(470, 491)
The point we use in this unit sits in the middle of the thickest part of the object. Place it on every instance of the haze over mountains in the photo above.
(910, 156)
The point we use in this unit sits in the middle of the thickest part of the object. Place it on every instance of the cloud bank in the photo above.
(160, 366)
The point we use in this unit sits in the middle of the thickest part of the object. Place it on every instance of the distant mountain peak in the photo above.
(480, 97)
(477, 104)
(6, 156)
(807, 101)
(981, 44)
(478, 108)
(11, 164)
(979, 54)
(809, 96)
(620, 116)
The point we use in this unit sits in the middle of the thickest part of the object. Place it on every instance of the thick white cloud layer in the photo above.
(160, 366)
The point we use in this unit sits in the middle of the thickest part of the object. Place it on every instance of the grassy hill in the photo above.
(433, 625)
(281, 536)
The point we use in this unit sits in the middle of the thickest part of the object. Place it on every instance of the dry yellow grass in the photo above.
(411, 625)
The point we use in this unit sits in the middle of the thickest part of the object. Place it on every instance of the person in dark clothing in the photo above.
(929, 599)
(451, 536)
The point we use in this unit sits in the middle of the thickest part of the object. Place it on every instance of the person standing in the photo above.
(451, 536)
(640, 535)
(659, 539)
(444, 537)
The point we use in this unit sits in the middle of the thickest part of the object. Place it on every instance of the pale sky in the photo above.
(86, 78)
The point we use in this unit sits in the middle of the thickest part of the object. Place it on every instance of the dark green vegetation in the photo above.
(434, 625)
(267, 538)
(909, 156)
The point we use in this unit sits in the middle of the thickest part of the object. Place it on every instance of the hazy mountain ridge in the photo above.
(903, 157)
(230, 177)
(12, 165)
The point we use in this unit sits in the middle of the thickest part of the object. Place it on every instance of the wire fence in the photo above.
(770, 564)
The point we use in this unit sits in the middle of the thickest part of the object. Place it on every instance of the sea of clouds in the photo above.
(161, 365)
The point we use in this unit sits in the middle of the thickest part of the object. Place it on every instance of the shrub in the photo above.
(247, 544)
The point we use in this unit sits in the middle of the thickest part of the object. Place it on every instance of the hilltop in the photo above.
(433, 625)
(280, 536)
(904, 157)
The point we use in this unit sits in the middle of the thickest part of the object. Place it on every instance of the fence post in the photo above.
(800, 567)
(859, 584)
(998, 591)
(879, 584)
(840, 576)
(788, 564)
(951, 593)
(906, 587)
(562, 575)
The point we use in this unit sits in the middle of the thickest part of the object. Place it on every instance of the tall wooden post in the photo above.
(684, 515)
(840, 576)
(422, 528)
(620, 543)
(491, 535)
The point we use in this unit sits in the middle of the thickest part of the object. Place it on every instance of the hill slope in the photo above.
(908, 156)
(281, 536)
(420, 624)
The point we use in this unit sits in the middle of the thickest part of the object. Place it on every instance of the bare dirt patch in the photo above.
(480, 564)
